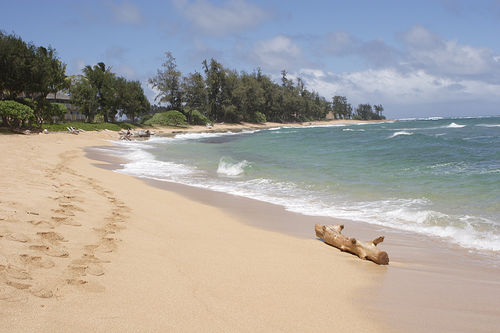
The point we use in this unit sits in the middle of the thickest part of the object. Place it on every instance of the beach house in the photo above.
(73, 113)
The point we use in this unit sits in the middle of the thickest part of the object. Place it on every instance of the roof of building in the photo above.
(58, 96)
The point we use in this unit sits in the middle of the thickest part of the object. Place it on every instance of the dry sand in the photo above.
(84, 249)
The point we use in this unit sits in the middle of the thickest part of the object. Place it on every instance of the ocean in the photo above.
(436, 177)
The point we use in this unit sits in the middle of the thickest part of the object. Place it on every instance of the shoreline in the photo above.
(154, 258)
(443, 281)
(223, 127)
(102, 251)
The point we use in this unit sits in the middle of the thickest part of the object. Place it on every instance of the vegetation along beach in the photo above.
(227, 168)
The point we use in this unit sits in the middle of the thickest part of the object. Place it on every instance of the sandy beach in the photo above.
(84, 249)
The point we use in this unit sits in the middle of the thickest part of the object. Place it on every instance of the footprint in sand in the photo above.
(18, 285)
(107, 245)
(115, 227)
(63, 212)
(90, 248)
(103, 232)
(72, 223)
(17, 273)
(18, 237)
(76, 282)
(42, 223)
(41, 291)
(65, 220)
(59, 219)
(70, 207)
(86, 258)
(81, 268)
(66, 198)
(51, 236)
(115, 217)
(36, 261)
(50, 251)
(77, 269)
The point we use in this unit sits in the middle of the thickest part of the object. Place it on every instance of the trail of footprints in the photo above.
(47, 259)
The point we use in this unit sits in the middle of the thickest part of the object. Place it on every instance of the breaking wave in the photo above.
(229, 168)
(395, 134)
(454, 125)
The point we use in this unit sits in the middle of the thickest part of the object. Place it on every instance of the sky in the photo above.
(416, 58)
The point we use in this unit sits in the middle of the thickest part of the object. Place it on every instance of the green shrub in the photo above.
(14, 113)
(54, 110)
(146, 118)
(197, 118)
(259, 117)
(169, 118)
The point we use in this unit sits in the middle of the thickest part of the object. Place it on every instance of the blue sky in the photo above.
(417, 58)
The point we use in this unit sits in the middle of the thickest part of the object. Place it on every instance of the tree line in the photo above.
(28, 73)
(99, 91)
(222, 94)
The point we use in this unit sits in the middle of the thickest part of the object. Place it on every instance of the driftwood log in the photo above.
(331, 234)
(128, 135)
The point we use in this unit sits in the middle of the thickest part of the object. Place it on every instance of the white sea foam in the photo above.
(352, 130)
(316, 126)
(425, 118)
(409, 215)
(197, 136)
(395, 134)
(132, 144)
(404, 214)
(143, 164)
(229, 168)
(412, 215)
(454, 125)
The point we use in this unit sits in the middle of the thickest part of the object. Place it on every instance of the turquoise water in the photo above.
(439, 177)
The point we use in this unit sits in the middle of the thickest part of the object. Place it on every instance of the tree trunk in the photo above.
(331, 235)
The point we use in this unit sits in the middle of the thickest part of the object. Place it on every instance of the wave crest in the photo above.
(352, 130)
(395, 134)
(455, 125)
(229, 168)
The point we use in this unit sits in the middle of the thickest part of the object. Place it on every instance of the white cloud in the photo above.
(228, 18)
(126, 12)
(424, 69)
(277, 53)
(389, 86)
(420, 49)
(433, 54)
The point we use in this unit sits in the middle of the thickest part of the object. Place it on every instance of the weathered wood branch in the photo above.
(332, 235)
